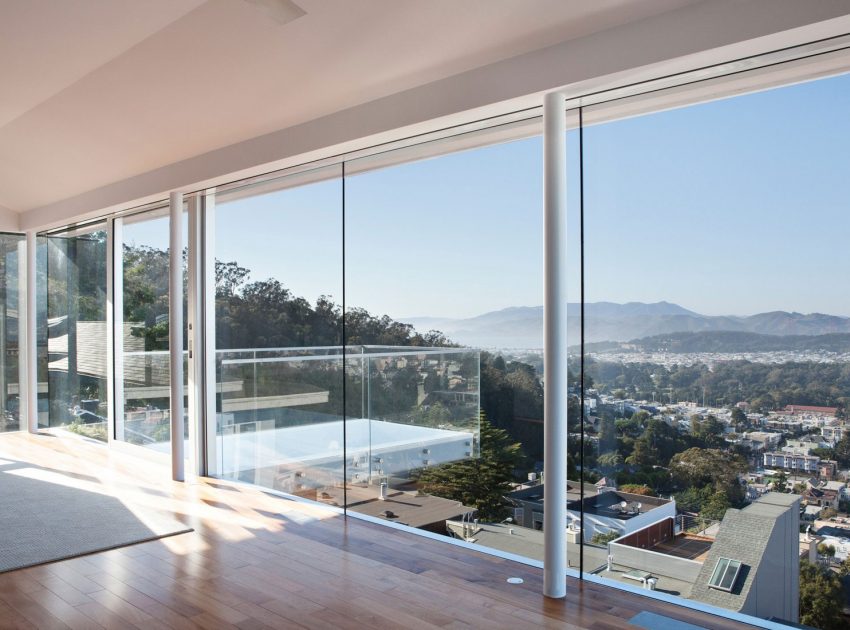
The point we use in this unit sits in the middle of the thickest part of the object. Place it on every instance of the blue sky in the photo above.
(736, 206)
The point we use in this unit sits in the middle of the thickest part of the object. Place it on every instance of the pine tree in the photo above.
(481, 482)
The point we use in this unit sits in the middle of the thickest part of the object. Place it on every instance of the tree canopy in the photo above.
(480, 482)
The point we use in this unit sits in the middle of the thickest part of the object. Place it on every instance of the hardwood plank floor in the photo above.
(258, 561)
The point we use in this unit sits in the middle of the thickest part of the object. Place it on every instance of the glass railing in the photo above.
(334, 424)
(146, 417)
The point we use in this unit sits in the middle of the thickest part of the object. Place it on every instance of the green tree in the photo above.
(700, 467)
(609, 461)
(780, 482)
(842, 450)
(480, 482)
(715, 508)
(821, 598)
(739, 418)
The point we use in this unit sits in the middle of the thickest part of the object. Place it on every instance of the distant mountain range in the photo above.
(728, 341)
(522, 326)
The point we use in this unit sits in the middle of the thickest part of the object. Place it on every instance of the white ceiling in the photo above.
(96, 91)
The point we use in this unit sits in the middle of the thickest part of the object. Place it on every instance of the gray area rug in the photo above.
(43, 520)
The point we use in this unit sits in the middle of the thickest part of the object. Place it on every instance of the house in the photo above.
(757, 548)
(606, 511)
(795, 462)
(828, 469)
(796, 410)
(822, 497)
(805, 444)
(833, 433)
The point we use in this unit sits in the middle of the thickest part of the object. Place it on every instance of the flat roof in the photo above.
(685, 546)
(615, 504)
(408, 508)
(528, 542)
(322, 443)
(664, 584)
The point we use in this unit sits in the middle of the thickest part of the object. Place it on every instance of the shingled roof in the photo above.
(744, 536)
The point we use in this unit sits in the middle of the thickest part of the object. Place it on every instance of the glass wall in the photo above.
(717, 365)
(10, 248)
(73, 322)
(144, 418)
(280, 395)
(444, 264)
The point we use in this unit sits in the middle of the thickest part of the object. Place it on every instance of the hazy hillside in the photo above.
(522, 326)
(729, 341)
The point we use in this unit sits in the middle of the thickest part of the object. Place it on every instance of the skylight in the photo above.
(724, 575)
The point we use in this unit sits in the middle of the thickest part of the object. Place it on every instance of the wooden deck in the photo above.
(257, 561)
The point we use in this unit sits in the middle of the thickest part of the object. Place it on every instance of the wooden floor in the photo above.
(256, 561)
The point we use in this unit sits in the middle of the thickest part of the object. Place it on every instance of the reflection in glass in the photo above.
(9, 348)
(75, 324)
(279, 365)
(144, 418)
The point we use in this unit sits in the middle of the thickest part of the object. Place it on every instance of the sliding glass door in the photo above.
(143, 415)
(278, 349)
(74, 320)
(10, 257)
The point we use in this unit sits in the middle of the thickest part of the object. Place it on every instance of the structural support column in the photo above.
(30, 338)
(195, 343)
(175, 334)
(207, 339)
(555, 346)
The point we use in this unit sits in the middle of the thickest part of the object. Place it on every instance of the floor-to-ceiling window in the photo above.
(142, 337)
(73, 323)
(716, 331)
(280, 392)
(443, 272)
(10, 256)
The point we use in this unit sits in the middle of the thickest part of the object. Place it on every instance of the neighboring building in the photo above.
(805, 444)
(786, 425)
(833, 433)
(406, 508)
(764, 538)
(605, 510)
(750, 566)
(828, 468)
(822, 497)
(795, 462)
(797, 410)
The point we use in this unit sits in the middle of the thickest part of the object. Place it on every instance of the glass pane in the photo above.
(717, 359)
(10, 246)
(444, 329)
(74, 322)
(144, 418)
(279, 359)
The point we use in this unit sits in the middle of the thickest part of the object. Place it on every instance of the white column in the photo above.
(555, 346)
(116, 326)
(110, 330)
(194, 327)
(208, 339)
(29, 338)
(175, 334)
